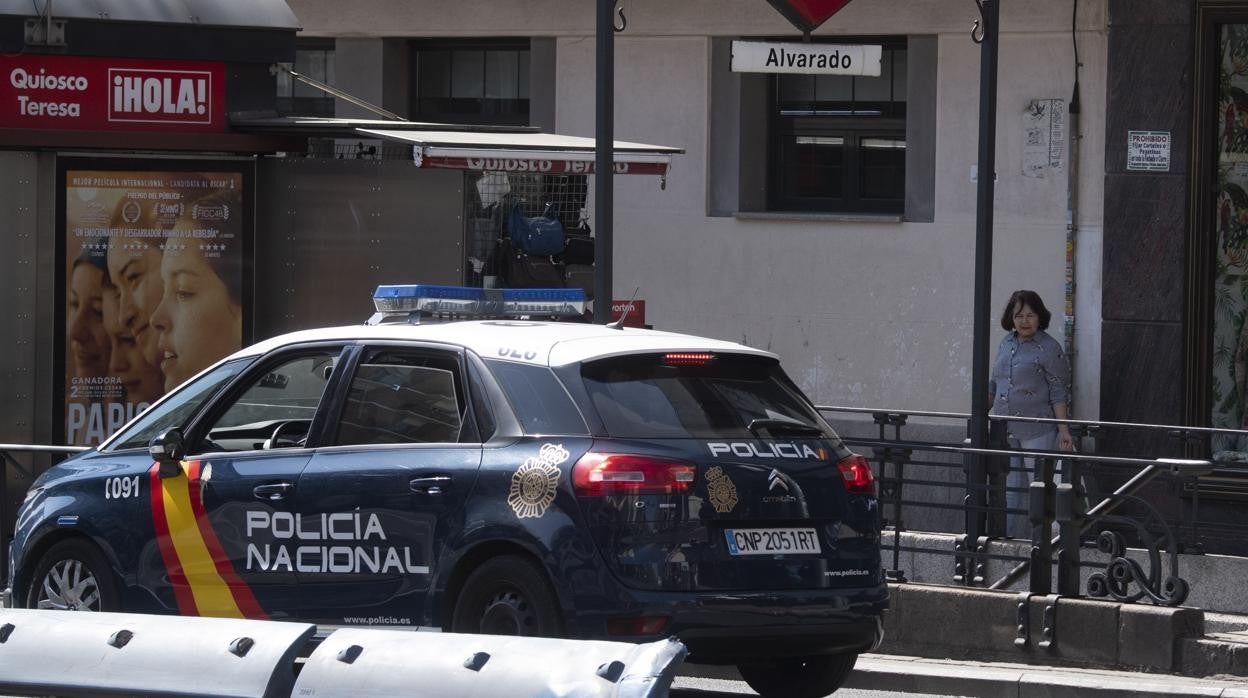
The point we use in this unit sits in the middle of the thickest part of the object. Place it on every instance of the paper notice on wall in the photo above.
(1148, 151)
(1044, 137)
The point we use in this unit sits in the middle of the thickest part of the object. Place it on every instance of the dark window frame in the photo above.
(851, 121)
(321, 104)
(448, 109)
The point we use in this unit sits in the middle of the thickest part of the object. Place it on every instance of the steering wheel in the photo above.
(294, 432)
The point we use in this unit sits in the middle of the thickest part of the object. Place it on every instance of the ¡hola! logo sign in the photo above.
(807, 15)
(112, 94)
(160, 96)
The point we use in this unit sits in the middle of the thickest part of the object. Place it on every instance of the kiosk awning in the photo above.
(523, 152)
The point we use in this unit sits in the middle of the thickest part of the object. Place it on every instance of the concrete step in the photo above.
(1214, 581)
(904, 674)
(1225, 623)
(1213, 656)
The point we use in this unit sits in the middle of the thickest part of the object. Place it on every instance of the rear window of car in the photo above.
(538, 399)
(728, 396)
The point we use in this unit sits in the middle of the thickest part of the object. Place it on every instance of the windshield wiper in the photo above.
(785, 426)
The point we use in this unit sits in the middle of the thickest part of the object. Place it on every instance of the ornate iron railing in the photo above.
(1150, 503)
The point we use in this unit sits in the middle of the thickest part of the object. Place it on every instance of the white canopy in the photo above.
(523, 152)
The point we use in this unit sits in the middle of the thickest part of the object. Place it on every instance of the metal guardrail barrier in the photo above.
(64, 653)
(1061, 518)
(355, 662)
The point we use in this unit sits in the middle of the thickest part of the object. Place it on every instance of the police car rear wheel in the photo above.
(804, 677)
(73, 576)
(507, 596)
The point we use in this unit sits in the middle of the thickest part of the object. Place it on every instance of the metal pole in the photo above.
(604, 161)
(976, 475)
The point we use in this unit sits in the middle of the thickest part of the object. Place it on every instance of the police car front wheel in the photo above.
(73, 576)
(805, 677)
(507, 595)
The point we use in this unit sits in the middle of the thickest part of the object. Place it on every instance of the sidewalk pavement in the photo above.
(879, 672)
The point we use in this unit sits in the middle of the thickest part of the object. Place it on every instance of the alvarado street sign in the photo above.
(809, 59)
(806, 15)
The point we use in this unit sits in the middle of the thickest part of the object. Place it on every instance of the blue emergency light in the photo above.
(415, 301)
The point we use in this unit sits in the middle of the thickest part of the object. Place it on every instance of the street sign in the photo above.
(807, 15)
(806, 58)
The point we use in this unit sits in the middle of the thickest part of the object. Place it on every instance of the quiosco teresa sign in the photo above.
(814, 59)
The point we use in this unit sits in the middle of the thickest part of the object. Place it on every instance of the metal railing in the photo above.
(1151, 503)
(10, 464)
(1057, 500)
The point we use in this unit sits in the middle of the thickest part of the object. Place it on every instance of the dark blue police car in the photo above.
(502, 476)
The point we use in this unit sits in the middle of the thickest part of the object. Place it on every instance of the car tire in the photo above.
(73, 576)
(507, 595)
(801, 677)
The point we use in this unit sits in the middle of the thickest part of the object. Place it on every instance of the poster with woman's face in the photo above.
(153, 276)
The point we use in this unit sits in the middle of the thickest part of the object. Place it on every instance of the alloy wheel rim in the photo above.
(507, 613)
(69, 586)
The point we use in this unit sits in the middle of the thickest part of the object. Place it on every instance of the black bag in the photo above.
(542, 235)
(578, 249)
(531, 271)
(580, 276)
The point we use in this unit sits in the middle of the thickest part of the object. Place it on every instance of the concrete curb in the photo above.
(920, 675)
(986, 680)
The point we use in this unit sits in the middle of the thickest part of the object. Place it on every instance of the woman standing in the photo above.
(1030, 378)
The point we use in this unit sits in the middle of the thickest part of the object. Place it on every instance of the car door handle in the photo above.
(273, 492)
(433, 484)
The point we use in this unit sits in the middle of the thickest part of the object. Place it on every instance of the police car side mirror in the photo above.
(167, 449)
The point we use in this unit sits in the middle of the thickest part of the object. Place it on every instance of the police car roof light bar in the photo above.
(411, 302)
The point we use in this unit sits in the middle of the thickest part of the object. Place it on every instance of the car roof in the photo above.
(541, 343)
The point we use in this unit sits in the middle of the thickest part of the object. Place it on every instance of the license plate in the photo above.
(772, 541)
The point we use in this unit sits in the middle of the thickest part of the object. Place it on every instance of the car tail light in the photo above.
(602, 474)
(636, 625)
(688, 358)
(857, 473)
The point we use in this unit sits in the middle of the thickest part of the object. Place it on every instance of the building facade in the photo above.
(866, 291)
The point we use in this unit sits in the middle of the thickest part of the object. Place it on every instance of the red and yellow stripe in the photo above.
(203, 579)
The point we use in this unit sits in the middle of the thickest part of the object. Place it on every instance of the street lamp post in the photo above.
(604, 166)
(976, 472)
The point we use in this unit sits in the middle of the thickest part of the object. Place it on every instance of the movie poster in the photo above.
(153, 288)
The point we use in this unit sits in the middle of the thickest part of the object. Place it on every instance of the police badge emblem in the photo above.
(719, 488)
(534, 483)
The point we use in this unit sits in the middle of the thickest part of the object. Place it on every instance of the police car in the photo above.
(496, 476)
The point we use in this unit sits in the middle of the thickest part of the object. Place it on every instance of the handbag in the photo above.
(528, 271)
(578, 249)
(541, 235)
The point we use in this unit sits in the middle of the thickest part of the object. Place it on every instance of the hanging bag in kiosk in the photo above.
(542, 235)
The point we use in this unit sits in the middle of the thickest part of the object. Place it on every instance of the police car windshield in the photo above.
(725, 396)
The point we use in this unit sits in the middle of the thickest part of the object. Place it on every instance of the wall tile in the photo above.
(1145, 232)
(1150, 72)
(1127, 12)
(1141, 382)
